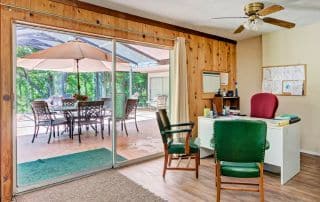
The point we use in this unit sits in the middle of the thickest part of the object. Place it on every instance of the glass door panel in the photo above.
(48, 123)
(141, 78)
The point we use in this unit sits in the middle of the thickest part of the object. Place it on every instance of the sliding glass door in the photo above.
(77, 115)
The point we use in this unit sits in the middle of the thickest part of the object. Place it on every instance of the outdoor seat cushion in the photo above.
(179, 147)
(241, 170)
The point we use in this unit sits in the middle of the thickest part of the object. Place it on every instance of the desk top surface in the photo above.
(270, 122)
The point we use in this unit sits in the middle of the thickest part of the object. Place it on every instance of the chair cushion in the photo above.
(179, 147)
(241, 170)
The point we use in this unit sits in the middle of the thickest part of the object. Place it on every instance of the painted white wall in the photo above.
(299, 46)
(295, 46)
(249, 62)
(157, 75)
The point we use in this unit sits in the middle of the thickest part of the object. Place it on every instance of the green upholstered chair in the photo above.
(185, 148)
(239, 150)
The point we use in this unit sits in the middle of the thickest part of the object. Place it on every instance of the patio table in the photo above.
(69, 111)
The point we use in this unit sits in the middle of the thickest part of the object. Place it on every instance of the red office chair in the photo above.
(264, 105)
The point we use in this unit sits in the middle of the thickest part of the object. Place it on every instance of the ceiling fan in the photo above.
(254, 13)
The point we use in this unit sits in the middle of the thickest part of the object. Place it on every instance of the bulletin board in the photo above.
(288, 80)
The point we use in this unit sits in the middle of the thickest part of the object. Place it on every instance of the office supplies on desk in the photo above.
(206, 112)
(291, 117)
(280, 122)
(230, 93)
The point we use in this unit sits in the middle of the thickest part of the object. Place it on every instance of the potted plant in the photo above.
(80, 97)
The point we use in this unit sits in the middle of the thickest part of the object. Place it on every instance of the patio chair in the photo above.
(107, 106)
(120, 114)
(90, 114)
(159, 102)
(69, 102)
(131, 111)
(55, 100)
(43, 117)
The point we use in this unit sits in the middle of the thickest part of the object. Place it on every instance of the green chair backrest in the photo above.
(165, 119)
(163, 123)
(121, 100)
(240, 140)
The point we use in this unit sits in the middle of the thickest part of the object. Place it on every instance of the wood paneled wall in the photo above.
(202, 54)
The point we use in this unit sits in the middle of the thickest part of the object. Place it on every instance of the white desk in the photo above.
(284, 151)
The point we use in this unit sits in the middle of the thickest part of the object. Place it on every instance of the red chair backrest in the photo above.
(264, 105)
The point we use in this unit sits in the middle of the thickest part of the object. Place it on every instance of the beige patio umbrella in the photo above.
(73, 56)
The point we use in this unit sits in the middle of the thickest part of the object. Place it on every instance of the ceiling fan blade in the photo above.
(278, 22)
(239, 29)
(218, 18)
(269, 10)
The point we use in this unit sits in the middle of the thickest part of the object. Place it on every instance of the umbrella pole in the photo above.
(78, 76)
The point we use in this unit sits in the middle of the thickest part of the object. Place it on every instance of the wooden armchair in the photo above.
(173, 150)
(239, 150)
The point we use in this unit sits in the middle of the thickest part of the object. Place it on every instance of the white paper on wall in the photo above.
(293, 87)
(224, 78)
(267, 86)
(274, 79)
(211, 82)
(277, 87)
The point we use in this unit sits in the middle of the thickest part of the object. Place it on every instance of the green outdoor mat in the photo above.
(33, 172)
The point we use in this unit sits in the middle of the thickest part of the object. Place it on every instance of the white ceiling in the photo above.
(197, 14)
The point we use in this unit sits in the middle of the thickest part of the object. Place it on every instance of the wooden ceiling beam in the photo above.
(127, 16)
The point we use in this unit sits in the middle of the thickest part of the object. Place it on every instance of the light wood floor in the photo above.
(183, 186)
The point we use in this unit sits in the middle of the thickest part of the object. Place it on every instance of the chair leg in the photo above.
(54, 131)
(96, 129)
(121, 125)
(135, 120)
(50, 134)
(218, 181)
(261, 188)
(38, 131)
(109, 127)
(58, 131)
(34, 134)
(170, 159)
(197, 165)
(70, 130)
(125, 127)
(165, 164)
(79, 132)
(102, 129)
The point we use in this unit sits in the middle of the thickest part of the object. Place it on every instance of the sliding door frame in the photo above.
(115, 164)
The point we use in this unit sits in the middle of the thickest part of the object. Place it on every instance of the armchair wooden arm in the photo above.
(191, 124)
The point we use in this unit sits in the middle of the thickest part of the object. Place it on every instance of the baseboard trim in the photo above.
(310, 152)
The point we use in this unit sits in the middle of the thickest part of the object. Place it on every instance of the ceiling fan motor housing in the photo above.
(252, 8)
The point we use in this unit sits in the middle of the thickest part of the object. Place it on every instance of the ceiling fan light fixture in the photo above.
(253, 24)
